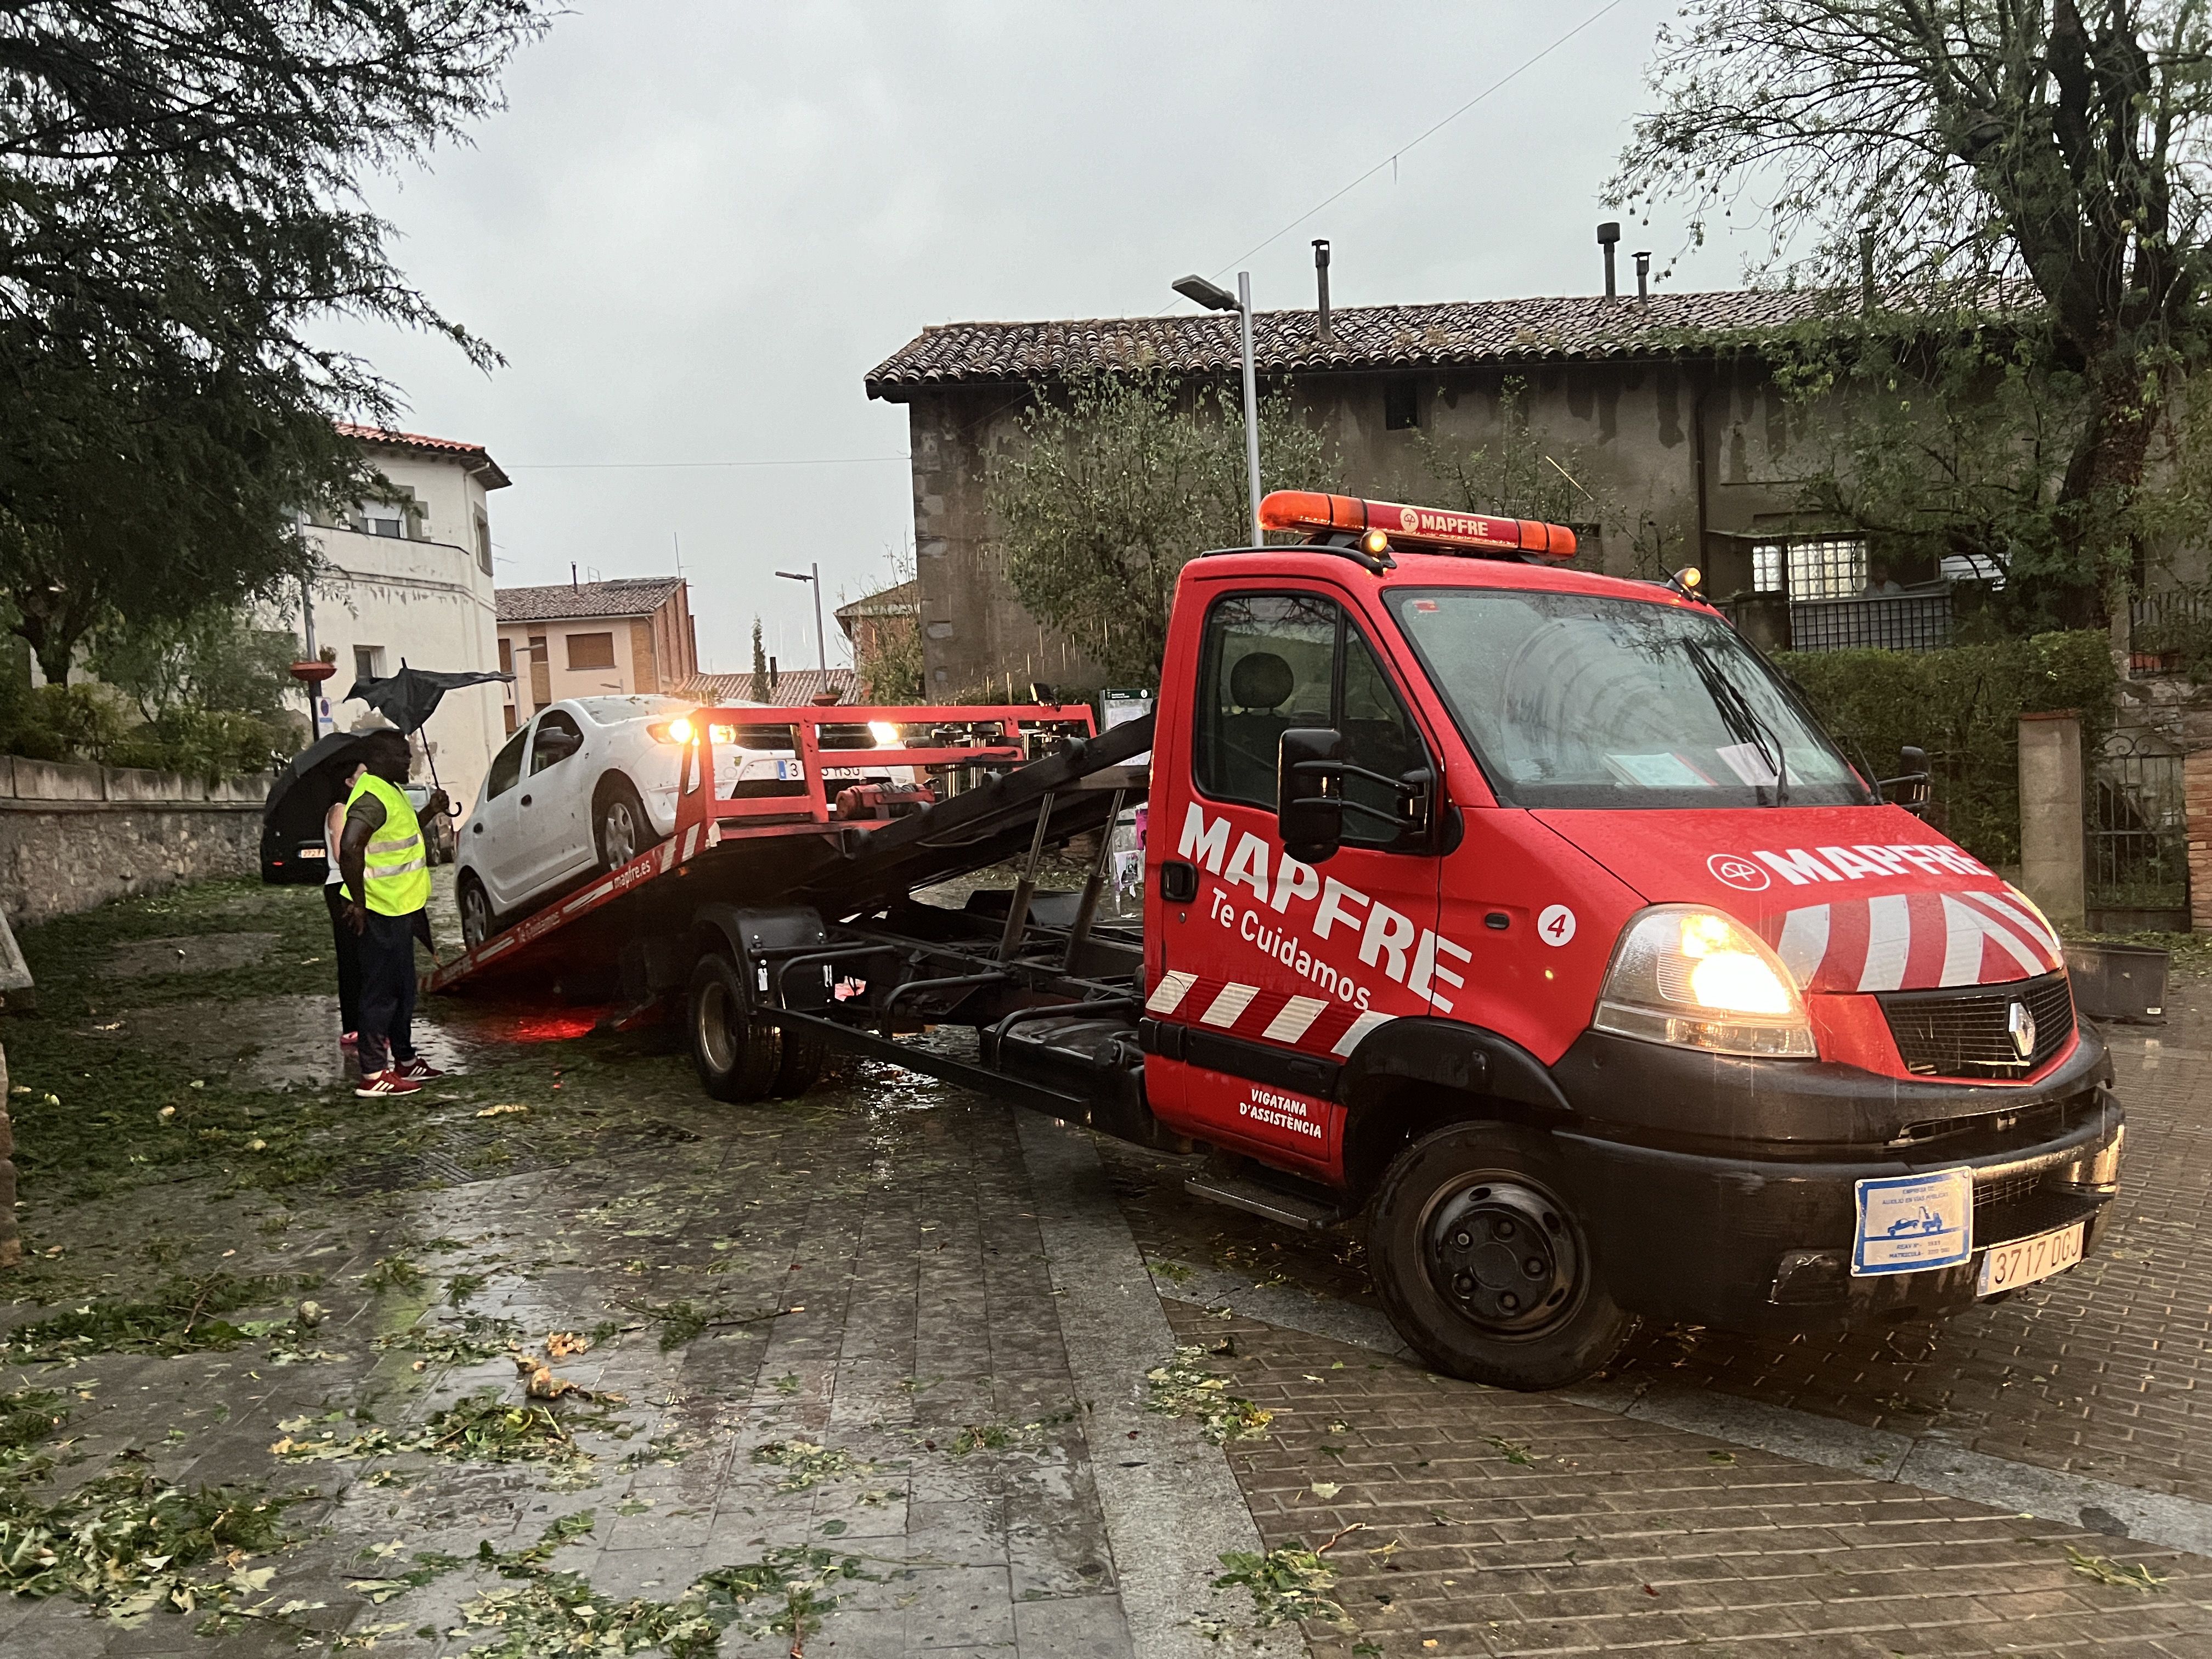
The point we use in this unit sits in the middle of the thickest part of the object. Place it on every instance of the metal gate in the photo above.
(2138, 836)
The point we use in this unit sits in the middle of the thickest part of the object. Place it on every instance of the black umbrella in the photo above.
(411, 696)
(333, 752)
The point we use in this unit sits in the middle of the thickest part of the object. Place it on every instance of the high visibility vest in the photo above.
(396, 874)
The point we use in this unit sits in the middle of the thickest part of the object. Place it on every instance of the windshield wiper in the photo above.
(1742, 721)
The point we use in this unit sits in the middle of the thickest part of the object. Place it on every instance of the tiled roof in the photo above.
(903, 600)
(795, 688)
(1361, 337)
(452, 449)
(624, 596)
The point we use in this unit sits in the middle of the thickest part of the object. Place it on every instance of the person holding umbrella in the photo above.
(385, 868)
(345, 940)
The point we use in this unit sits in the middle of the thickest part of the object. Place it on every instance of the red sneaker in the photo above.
(350, 1039)
(377, 1084)
(419, 1070)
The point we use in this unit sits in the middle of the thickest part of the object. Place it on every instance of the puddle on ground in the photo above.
(197, 953)
(269, 1042)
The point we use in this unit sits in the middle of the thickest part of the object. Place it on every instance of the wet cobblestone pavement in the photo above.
(866, 1373)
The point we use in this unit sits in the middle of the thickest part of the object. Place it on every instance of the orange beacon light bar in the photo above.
(1413, 528)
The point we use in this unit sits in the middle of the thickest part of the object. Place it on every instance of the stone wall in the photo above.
(75, 837)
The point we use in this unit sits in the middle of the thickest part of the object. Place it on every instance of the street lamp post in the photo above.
(1216, 298)
(813, 573)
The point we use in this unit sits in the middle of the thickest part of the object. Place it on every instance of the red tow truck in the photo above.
(1526, 912)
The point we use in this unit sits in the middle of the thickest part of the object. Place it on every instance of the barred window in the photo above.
(1814, 567)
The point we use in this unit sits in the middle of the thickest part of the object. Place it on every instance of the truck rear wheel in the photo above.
(737, 1057)
(803, 1056)
(1482, 1266)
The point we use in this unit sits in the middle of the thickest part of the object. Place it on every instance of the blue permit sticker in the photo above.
(1909, 1222)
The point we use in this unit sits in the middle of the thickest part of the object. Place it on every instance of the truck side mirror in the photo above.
(1309, 801)
(1910, 788)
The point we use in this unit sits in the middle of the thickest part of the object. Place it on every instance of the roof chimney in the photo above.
(572, 582)
(1608, 235)
(1320, 281)
(1644, 276)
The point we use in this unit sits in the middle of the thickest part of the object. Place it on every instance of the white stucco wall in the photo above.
(427, 602)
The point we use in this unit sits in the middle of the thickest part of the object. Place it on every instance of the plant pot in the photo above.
(2124, 982)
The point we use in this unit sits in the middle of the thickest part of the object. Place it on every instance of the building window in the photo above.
(591, 651)
(484, 542)
(384, 519)
(368, 662)
(1401, 403)
(506, 711)
(1814, 567)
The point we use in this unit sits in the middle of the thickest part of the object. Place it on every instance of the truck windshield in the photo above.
(1573, 701)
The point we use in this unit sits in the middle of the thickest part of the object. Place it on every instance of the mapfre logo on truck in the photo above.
(1304, 919)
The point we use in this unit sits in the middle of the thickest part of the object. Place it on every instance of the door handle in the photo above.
(525, 800)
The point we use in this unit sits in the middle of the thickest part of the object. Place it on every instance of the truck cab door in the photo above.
(1271, 971)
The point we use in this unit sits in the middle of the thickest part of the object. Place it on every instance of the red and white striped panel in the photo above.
(1316, 1025)
(1913, 941)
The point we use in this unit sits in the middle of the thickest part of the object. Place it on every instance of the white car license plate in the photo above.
(2008, 1267)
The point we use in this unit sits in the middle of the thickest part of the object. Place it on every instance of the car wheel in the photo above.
(478, 921)
(737, 1058)
(620, 825)
(1484, 1267)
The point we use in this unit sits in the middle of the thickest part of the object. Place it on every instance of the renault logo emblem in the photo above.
(2020, 1026)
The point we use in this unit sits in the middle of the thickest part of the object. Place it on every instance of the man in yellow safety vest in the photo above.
(386, 865)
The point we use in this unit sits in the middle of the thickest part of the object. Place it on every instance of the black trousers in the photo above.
(347, 944)
(387, 991)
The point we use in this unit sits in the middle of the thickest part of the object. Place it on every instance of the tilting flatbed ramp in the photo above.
(798, 848)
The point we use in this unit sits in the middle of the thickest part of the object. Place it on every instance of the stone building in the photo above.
(1685, 445)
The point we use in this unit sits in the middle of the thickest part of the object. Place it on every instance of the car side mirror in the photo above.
(1911, 788)
(1308, 797)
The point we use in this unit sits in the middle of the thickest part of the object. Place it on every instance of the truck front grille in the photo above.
(1968, 1033)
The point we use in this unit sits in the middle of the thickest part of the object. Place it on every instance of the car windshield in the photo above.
(612, 711)
(1574, 701)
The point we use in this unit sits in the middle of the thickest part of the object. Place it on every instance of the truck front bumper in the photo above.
(1693, 1230)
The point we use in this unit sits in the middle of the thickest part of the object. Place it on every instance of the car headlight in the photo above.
(1693, 976)
(885, 734)
(678, 731)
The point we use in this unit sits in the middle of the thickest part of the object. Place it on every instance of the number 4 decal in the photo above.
(1556, 926)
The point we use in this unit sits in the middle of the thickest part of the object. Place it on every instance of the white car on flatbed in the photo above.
(590, 782)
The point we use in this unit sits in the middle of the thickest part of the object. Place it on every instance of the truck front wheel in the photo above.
(737, 1058)
(1483, 1267)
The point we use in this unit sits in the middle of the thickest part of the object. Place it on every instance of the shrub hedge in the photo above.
(1963, 706)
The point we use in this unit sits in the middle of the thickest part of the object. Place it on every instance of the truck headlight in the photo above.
(1696, 977)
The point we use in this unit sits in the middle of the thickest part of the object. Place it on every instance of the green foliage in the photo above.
(1288, 1586)
(2044, 155)
(1111, 490)
(204, 695)
(183, 220)
(1183, 1386)
(183, 1316)
(887, 648)
(759, 689)
(1963, 705)
(127, 1544)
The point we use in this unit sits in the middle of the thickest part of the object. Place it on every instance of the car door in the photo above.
(1274, 969)
(554, 838)
(489, 839)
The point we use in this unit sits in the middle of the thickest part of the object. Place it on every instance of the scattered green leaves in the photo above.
(806, 1464)
(463, 1342)
(1287, 1585)
(128, 1544)
(1184, 1388)
(183, 1316)
(2133, 1576)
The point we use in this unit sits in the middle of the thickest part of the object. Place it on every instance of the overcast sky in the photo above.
(699, 223)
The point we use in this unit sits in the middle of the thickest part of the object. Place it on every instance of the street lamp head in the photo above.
(794, 575)
(1210, 295)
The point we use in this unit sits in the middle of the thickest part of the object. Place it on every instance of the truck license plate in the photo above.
(2008, 1267)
